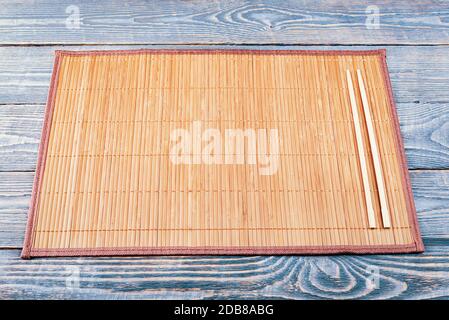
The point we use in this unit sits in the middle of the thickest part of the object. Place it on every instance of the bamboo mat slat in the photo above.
(220, 152)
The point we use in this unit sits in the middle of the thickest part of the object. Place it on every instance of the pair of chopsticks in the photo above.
(374, 150)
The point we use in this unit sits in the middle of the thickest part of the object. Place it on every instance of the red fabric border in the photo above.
(28, 251)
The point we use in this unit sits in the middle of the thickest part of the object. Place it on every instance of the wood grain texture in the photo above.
(20, 132)
(430, 189)
(420, 77)
(216, 22)
(200, 277)
(424, 128)
(14, 203)
(419, 74)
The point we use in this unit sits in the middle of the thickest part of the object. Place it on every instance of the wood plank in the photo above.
(20, 132)
(401, 276)
(419, 77)
(239, 21)
(419, 74)
(14, 202)
(430, 188)
(420, 276)
(431, 194)
(424, 127)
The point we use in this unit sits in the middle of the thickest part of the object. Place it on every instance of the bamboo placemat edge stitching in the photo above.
(220, 51)
(27, 252)
(304, 250)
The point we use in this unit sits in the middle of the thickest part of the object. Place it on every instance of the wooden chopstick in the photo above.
(375, 152)
(361, 151)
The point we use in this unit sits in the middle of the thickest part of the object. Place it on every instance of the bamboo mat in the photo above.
(221, 152)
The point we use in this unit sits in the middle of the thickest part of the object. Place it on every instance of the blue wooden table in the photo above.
(416, 35)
